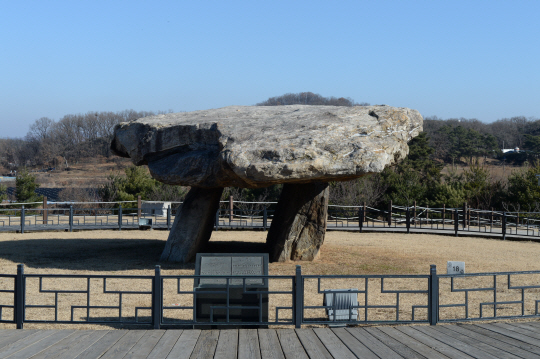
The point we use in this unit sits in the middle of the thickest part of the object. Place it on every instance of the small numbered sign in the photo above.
(453, 267)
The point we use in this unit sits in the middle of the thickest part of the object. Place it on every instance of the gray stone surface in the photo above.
(192, 225)
(299, 225)
(257, 146)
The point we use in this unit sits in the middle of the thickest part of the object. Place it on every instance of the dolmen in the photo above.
(302, 147)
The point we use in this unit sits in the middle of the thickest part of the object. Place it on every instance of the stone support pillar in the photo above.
(299, 224)
(193, 224)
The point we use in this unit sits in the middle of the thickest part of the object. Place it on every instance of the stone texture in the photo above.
(303, 147)
(193, 224)
(299, 224)
(257, 146)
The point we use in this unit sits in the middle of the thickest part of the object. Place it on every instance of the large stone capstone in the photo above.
(303, 147)
(257, 146)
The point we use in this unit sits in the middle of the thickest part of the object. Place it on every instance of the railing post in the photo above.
(456, 221)
(217, 220)
(22, 220)
(433, 305)
(19, 297)
(169, 218)
(504, 225)
(298, 298)
(45, 212)
(365, 211)
(139, 206)
(390, 214)
(71, 218)
(157, 299)
(361, 216)
(231, 209)
(408, 220)
(120, 218)
(464, 215)
(265, 219)
(443, 215)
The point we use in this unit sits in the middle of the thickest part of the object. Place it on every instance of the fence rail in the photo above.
(170, 300)
(406, 219)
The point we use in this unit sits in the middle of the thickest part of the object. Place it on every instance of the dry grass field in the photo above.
(137, 253)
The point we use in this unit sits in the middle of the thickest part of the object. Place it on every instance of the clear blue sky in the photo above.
(473, 59)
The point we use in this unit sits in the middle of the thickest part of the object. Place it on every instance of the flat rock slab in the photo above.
(257, 146)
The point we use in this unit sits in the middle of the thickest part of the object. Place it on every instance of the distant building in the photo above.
(510, 150)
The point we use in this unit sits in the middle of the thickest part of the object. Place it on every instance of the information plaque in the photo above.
(230, 283)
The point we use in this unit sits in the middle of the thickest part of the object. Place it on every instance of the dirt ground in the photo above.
(343, 253)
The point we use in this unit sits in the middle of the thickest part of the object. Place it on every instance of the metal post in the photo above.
(414, 213)
(390, 214)
(231, 209)
(265, 219)
(71, 218)
(45, 212)
(504, 225)
(298, 298)
(456, 221)
(120, 218)
(217, 220)
(443, 214)
(408, 220)
(361, 216)
(157, 299)
(22, 220)
(365, 211)
(139, 206)
(433, 312)
(464, 215)
(19, 296)
(169, 218)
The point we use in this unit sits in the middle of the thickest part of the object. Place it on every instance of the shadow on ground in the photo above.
(106, 254)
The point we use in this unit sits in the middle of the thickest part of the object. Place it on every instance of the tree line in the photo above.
(419, 178)
(59, 143)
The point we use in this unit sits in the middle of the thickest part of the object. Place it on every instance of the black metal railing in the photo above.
(171, 300)
(394, 218)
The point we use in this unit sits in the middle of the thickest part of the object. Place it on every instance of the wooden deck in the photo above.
(498, 340)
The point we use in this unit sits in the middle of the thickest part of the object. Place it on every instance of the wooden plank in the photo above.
(227, 346)
(433, 343)
(71, 346)
(145, 345)
(493, 342)
(312, 344)
(501, 337)
(291, 346)
(99, 347)
(520, 330)
(206, 345)
(512, 334)
(357, 347)
(123, 345)
(528, 326)
(334, 345)
(434, 332)
(412, 343)
(165, 344)
(269, 344)
(185, 344)
(248, 344)
(12, 335)
(394, 344)
(34, 337)
(477, 344)
(43, 344)
(373, 344)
